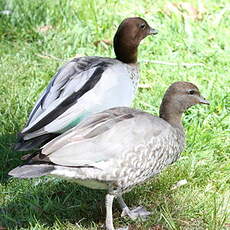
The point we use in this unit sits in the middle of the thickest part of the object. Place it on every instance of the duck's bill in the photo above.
(202, 100)
(152, 31)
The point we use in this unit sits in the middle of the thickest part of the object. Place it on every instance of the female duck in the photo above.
(118, 148)
(87, 85)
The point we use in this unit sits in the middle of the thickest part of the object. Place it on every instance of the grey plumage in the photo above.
(31, 171)
(120, 147)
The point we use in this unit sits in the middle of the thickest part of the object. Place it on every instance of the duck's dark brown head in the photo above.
(128, 37)
(178, 98)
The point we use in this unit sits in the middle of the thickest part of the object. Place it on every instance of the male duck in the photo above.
(87, 85)
(118, 148)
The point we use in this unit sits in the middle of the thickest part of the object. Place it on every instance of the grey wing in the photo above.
(63, 89)
(108, 139)
(93, 126)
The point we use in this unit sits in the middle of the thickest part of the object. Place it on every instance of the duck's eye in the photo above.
(191, 92)
(142, 25)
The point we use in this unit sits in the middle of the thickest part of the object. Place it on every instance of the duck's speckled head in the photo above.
(129, 34)
(178, 98)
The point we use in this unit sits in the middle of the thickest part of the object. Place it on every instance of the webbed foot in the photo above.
(138, 212)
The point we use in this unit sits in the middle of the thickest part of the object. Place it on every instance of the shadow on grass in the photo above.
(8, 157)
(47, 201)
(44, 200)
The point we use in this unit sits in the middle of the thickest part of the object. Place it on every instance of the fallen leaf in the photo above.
(76, 56)
(45, 28)
(144, 86)
(79, 55)
(108, 42)
(172, 8)
(48, 56)
(201, 8)
(104, 41)
(6, 12)
(185, 9)
(3, 228)
(179, 184)
(190, 10)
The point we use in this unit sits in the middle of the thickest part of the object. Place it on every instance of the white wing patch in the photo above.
(114, 89)
(51, 104)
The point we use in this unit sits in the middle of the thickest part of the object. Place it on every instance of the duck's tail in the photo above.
(34, 143)
(31, 170)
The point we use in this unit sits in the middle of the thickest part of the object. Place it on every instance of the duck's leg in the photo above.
(133, 214)
(109, 212)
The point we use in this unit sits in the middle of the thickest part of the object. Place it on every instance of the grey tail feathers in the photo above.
(32, 170)
(33, 144)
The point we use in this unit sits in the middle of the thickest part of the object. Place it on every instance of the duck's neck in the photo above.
(169, 112)
(125, 51)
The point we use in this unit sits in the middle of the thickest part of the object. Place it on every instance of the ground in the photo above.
(36, 37)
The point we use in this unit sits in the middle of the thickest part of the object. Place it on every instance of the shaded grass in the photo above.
(203, 203)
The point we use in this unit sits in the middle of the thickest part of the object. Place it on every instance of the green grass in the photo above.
(47, 203)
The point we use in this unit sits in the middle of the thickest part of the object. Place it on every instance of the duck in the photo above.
(87, 85)
(118, 149)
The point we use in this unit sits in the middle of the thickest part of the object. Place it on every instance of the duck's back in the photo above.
(72, 81)
(81, 87)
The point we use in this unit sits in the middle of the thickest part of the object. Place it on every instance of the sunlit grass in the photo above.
(27, 62)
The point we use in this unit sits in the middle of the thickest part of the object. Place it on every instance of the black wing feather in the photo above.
(83, 64)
